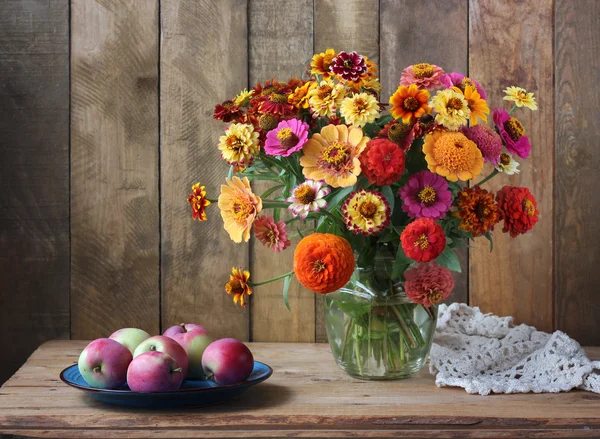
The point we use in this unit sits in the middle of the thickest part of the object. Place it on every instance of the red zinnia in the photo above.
(428, 284)
(423, 240)
(382, 162)
(518, 209)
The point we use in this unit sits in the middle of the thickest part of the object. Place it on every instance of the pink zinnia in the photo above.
(270, 233)
(426, 195)
(289, 137)
(349, 66)
(428, 284)
(425, 76)
(512, 133)
(459, 80)
(487, 140)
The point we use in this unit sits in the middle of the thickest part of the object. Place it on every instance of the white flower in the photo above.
(507, 164)
(308, 197)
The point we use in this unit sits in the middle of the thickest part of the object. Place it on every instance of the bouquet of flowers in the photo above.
(377, 187)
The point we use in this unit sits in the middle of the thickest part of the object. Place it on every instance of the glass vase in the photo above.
(374, 330)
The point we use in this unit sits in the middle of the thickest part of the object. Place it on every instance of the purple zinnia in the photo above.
(349, 66)
(289, 137)
(426, 195)
(487, 140)
(459, 80)
(512, 132)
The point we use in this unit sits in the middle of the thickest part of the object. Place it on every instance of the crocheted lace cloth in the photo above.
(484, 353)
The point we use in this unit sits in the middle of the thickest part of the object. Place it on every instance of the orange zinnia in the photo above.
(409, 103)
(323, 262)
(238, 285)
(321, 62)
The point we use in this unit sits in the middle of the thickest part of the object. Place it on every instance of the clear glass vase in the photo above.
(374, 330)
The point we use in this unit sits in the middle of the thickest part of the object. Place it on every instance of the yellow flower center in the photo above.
(422, 70)
(241, 210)
(348, 63)
(367, 209)
(454, 105)
(324, 91)
(268, 90)
(427, 195)
(528, 207)
(318, 266)
(234, 287)
(359, 105)
(505, 159)
(422, 242)
(466, 82)
(278, 98)
(398, 132)
(411, 104)
(267, 122)
(336, 153)
(287, 138)
(305, 194)
(514, 128)
(234, 143)
(434, 296)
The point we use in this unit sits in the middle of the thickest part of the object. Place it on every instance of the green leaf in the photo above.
(323, 225)
(488, 235)
(449, 260)
(388, 236)
(286, 286)
(270, 191)
(353, 309)
(388, 193)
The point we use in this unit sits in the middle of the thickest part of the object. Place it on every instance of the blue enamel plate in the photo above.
(192, 392)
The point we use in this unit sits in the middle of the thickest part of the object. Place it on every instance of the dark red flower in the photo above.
(382, 162)
(423, 240)
(518, 209)
(228, 111)
(349, 66)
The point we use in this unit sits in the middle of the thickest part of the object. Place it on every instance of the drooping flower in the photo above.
(348, 66)
(518, 209)
(398, 132)
(423, 75)
(360, 109)
(409, 103)
(452, 109)
(228, 111)
(308, 197)
(426, 195)
(277, 103)
(423, 240)
(477, 105)
(452, 155)
(382, 162)
(520, 97)
(487, 140)
(366, 212)
(321, 63)
(198, 201)
(238, 285)
(512, 132)
(239, 145)
(428, 284)
(424, 125)
(325, 99)
(507, 164)
(459, 80)
(239, 207)
(289, 137)
(243, 98)
(333, 154)
(299, 97)
(271, 234)
(323, 262)
(477, 210)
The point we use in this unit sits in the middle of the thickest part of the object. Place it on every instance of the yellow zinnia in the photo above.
(452, 109)
(243, 98)
(333, 154)
(299, 98)
(452, 155)
(325, 99)
(520, 97)
(239, 145)
(239, 207)
(321, 62)
(360, 109)
(476, 104)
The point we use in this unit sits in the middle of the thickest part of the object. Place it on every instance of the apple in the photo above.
(194, 342)
(154, 371)
(130, 337)
(103, 364)
(168, 346)
(183, 328)
(227, 361)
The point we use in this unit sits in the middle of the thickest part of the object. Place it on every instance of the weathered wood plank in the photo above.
(576, 227)
(408, 36)
(203, 62)
(34, 177)
(516, 279)
(279, 49)
(114, 166)
(351, 25)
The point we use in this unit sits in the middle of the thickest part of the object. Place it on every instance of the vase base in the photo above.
(380, 374)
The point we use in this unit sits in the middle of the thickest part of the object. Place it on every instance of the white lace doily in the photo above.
(484, 353)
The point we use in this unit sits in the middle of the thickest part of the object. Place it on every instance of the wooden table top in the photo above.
(307, 396)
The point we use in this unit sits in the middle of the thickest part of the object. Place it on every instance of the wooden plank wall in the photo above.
(144, 77)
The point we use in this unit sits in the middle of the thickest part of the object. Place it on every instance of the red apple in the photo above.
(154, 371)
(183, 328)
(130, 337)
(194, 342)
(228, 361)
(103, 364)
(168, 346)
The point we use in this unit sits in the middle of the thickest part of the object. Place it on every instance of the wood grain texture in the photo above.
(576, 226)
(269, 58)
(203, 62)
(34, 177)
(351, 25)
(307, 396)
(408, 37)
(114, 166)
(516, 279)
